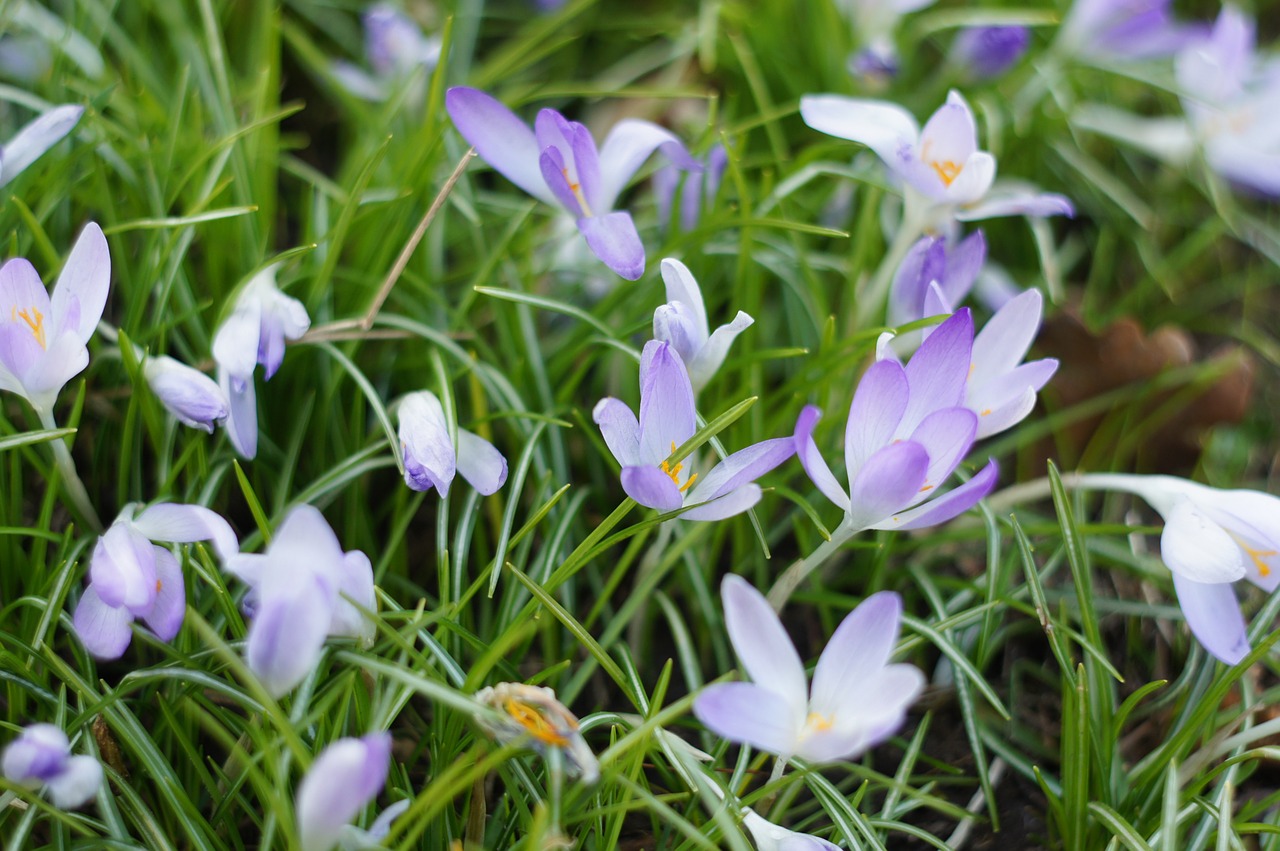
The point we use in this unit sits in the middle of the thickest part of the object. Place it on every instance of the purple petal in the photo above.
(40, 753)
(814, 465)
(242, 421)
(305, 540)
(964, 263)
(950, 136)
(946, 436)
(950, 504)
(103, 630)
(1003, 342)
(579, 155)
(26, 318)
(85, 279)
(925, 262)
(625, 149)
(745, 465)
(288, 630)
(729, 505)
(345, 777)
(356, 583)
(1195, 547)
(974, 180)
(710, 357)
(505, 142)
(987, 52)
(78, 782)
(762, 644)
(613, 238)
(937, 372)
(858, 650)
(191, 396)
(877, 408)
(620, 430)
(883, 127)
(652, 488)
(37, 137)
(675, 323)
(236, 343)
(682, 287)
(889, 481)
(183, 524)
(556, 174)
(66, 358)
(123, 567)
(429, 457)
(1213, 615)
(749, 714)
(170, 606)
(1008, 399)
(667, 417)
(480, 463)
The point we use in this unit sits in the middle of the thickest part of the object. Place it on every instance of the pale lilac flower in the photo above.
(908, 430)
(131, 578)
(346, 776)
(395, 48)
(41, 756)
(1211, 538)
(944, 174)
(303, 589)
(192, 397)
(987, 52)
(532, 715)
(1122, 29)
(36, 138)
(430, 459)
(262, 319)
(1002, 389)
(771, 837)
(857, 699)
(667, 419)
(682, 322)
(557, 162)
(43, 339)
(698, 192)
(935, 277)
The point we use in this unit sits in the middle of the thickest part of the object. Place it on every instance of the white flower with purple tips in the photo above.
(430, 459)
(667, 419)
(41, 756)
(132, 579)
(43, 338)
(682, 322)
(557, 162)
(346, 776)
(857, 700)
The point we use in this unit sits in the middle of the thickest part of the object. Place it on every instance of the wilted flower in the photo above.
(41, 756)
(36, 138)
(262, 319)
(698, 192)
(1211, 538)
(667, 420)
(557, 162)
(302, 589)
(857, 700)
(42, 339)
(1001, 389)
(908, 430)
(682, 322)
(429, 457)
(346, 776)
(130, 578)
(531, 715)
(192, 397)
(1122, 29)
(987, 52)
(395, 48)
(771, 837)
(944, 174)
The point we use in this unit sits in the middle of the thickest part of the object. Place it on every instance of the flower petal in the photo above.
(555, 171)
(1003, 342)
(288, 629)
(345, 777)
(890, 481)
(183, 524)
(356, 583)
(652, 488)
(578, 155)
(235, 345)
(123, 567)
(710, 357)
(745, 465)
(946, 436)
(104, 630)
(1005, 401)
(242, 421)
(85, 279)
(506, 143)
(170, 606)
(613, 238)
(877, 408)
(79, 781)
(1196, 547)
(1001, 202)
(974, 180)
(856, 654)
(950, 135)
(620, 430)
(683, 287)
(480, 463)
(937, 372)
(950, 504)
(625, 149)
(812, 461)
(37, 137)
(1213, 615)
(191, 396)
(25, 318)
(729, 504)
(883, 127)
(762, 644)
(429, 457)
(667, 417)
(749, 714)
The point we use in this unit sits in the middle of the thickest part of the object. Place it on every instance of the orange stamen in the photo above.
(947, 170)
(819, 722)
(576, 189)
(34, 323)
(534, 722)
(674, 472)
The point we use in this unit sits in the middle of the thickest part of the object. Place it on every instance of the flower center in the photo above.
(816, 723)
(576, 189)
(1257, 557)
(33, 319)
(947, 170)
(534, 722)
(674, 472)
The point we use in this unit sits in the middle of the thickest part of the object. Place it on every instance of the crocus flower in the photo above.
(262, 319)
(931, 271)
(988, 52)
(395, 48)
(557, 162)
(1002, 389)
(857, 700)
(42, 338)
(429, 457)
(874, 24)
(302, 589)
(531, 715)
(667, 419)
(130, 578)
(192, 397)
(1211, 538)
(682, 322)
(908, 430)
(1122, 29)
(944, 174)
(36, 138)
(699, 191)
(346, 776)
(41, 756)
(771, 837)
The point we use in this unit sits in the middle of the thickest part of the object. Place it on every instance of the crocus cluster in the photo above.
(41, 756)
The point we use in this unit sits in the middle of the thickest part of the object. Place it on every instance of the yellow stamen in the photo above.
(159, 585)
(818, 723)
(986, 412)
(926, 488)
(1257, 556)
(34, 320)
(534, 722)
(576, 189)
(674, 472)
(947, 170)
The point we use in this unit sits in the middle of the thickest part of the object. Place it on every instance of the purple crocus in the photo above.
(41, 756)
(1122, 29)
(430, 459)
(43, 338)
(1001, 389)
(395, 48)
(857, 699)
(935, 277)
(944, 174)
(346, 776)
(908, 430)
(36, 138)
(682, 322)
(557, 162)
(262, 319)
(698, 192)
(192, 397)
(667, 419)
(302, 589)
(132, 579)
(988, 52)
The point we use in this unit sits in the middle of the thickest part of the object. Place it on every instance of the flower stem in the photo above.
(789, 581)
(70, 479)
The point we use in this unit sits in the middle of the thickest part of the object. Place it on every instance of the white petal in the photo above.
(480, 463)
(762, 644)
(885, 128)
(85, 278)
(77, 783)
(1194, 546)
(36, 138)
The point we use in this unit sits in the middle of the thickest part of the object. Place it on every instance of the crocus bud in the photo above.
(190, 395)
(345, 777)
(41, 756)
